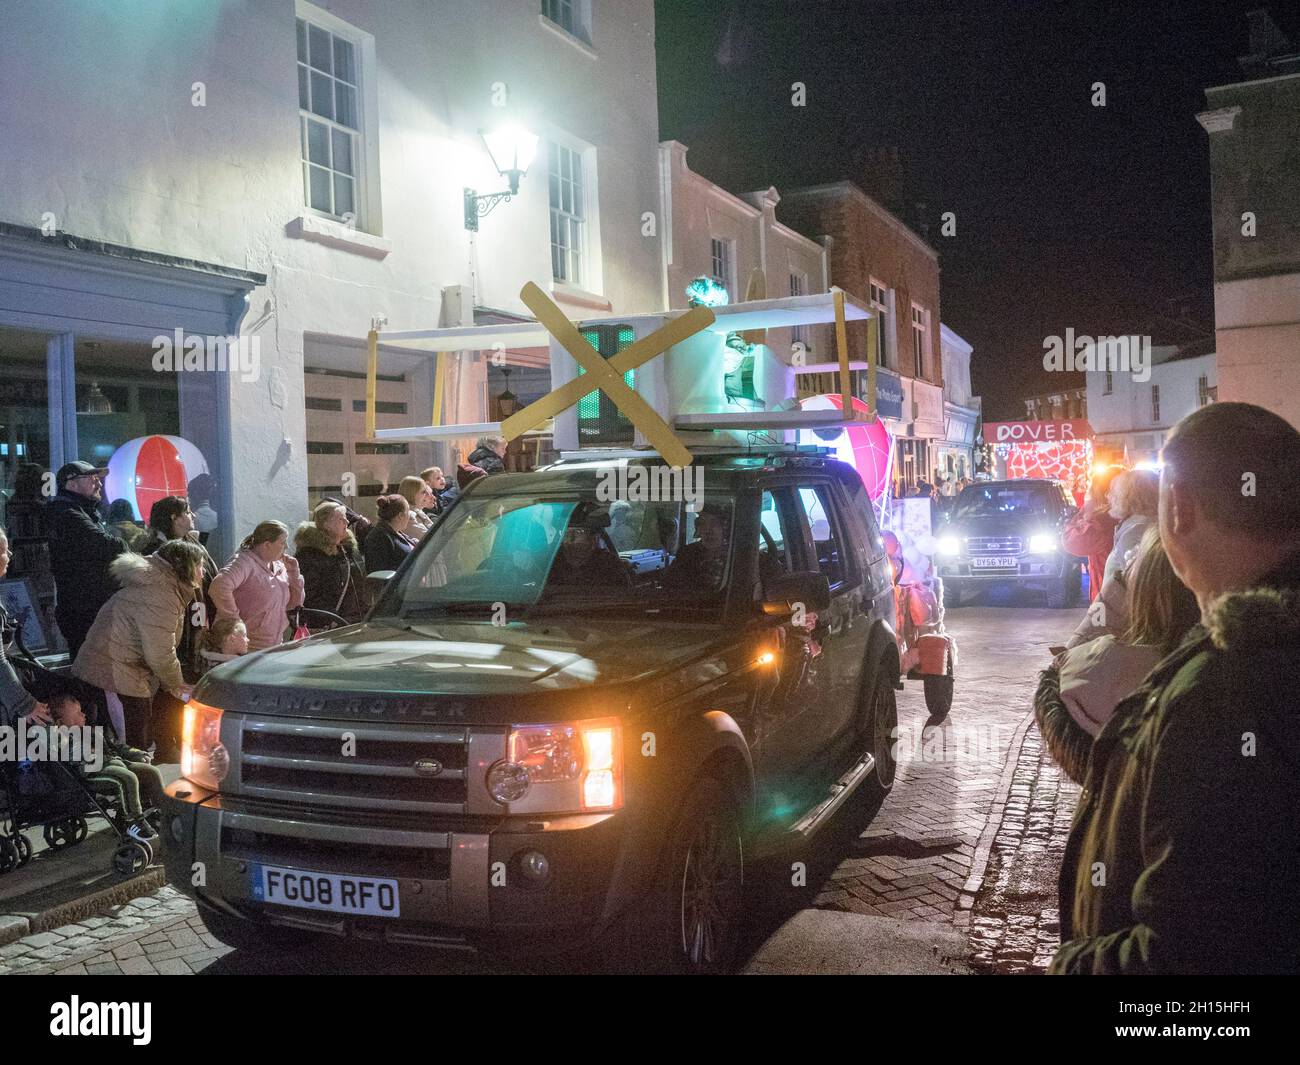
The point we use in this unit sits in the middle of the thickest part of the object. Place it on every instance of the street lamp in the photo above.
(511, 149)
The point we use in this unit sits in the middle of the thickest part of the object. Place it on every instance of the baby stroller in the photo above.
(53, 796)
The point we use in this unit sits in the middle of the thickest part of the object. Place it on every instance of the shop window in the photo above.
(25, 457)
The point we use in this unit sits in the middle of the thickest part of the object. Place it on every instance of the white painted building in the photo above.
(289, 171)
(1253, 128)
(955, 456)
(1131, 418)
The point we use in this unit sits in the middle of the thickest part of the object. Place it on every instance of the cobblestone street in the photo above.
(966, 839)
(1015, 927)
(957, 808)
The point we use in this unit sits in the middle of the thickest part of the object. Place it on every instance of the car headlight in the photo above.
(948, 545)
(1042, 543)
(204, 758)
(570, 767)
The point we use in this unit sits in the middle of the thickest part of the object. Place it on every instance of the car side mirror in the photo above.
(811, 589)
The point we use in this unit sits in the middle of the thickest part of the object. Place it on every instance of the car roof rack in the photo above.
(755, 448)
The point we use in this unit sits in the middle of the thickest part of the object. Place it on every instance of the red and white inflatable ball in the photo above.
(148, 468)
(865, 447)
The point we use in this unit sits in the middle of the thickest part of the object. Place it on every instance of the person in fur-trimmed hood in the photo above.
(331, 564)
(1184, 855)
(130, 650)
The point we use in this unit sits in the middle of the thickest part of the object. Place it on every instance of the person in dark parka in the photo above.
(1184, 855)
(81, 548)
(387, 544)
(331, 564)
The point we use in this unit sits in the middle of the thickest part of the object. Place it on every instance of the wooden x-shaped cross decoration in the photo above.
(607, 375)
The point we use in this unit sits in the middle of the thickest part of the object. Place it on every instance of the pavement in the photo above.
(59, 887)
(955, 874)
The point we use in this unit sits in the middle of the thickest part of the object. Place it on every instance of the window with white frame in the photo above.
(568, 213)
(570, 15)
(1155, 403)
(920, 338)
(721, 253)
(880, 301)
(799, 287)
(329, 118)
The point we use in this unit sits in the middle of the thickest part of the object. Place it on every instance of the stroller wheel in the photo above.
(131, 857)
(24, 846)
(66, 833)
(8, 855)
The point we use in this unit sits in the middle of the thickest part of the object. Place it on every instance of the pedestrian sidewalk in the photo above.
(925, 856)
(58, 887)
(153, 934)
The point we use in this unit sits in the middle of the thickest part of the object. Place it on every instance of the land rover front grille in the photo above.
(994, 545)
(395, 768)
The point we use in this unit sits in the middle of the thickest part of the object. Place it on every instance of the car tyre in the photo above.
(880, 727)
(689, 919)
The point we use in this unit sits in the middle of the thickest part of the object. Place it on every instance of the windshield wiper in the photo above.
(585, 606)
(468, 606)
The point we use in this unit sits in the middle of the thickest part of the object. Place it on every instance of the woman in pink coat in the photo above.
(259, 585)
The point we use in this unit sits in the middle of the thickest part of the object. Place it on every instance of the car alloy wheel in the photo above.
(710, 893)
(884, 726)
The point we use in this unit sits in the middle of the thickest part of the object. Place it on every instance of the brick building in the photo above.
(877, 258)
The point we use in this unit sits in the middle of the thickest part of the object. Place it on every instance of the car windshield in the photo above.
(1002, 501)
(570, 553)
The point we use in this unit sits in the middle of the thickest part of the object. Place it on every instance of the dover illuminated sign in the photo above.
(1037, 432)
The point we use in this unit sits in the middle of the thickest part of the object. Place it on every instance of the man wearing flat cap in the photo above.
(81, 547)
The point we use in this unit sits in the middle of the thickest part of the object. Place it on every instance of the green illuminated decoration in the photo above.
(705, 292)
(599, 421)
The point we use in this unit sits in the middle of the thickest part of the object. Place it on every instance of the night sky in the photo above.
(1067, 214)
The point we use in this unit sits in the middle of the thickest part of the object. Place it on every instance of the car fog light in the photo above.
(535, 865)
(507, 782)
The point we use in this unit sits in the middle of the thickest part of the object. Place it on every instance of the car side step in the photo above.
(839, 792)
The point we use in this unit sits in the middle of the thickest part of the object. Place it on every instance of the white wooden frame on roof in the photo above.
(820, 308)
